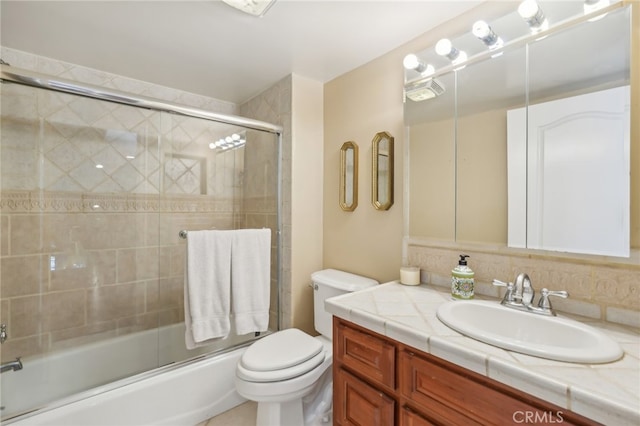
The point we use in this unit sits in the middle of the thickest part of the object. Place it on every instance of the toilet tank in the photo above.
(329, 283)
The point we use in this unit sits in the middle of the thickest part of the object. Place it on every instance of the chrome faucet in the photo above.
(14, 365)
(521, 294)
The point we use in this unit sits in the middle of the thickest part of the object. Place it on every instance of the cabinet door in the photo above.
(366, 354)
(357, 403)
(445, 391)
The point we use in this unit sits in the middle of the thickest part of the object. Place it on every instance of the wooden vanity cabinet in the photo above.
(378, 381)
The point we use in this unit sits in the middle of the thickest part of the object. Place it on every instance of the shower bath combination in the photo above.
(95, 185)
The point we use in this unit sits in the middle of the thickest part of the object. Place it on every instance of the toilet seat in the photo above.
(281, 356)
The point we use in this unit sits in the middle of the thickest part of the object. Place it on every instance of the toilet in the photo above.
(288, 373)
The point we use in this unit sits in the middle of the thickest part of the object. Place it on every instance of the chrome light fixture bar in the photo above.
(252, 7)
(591, 6)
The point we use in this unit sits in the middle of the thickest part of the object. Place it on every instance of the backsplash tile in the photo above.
(598, 287)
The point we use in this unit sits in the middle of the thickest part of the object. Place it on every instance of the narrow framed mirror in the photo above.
(382, 182)
(349, 176)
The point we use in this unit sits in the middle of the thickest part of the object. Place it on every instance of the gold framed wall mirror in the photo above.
(349, 176)
(382, 176)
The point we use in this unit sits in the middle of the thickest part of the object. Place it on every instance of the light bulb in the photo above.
(483, 31)
(443, 47)
(412, 62)
(235, 136)
(530, 11)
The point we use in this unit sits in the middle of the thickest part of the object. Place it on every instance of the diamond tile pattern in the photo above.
(60, 142)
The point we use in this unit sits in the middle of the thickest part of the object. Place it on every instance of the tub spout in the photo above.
(11, 365)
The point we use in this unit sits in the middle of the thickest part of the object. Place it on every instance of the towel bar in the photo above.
(183, 233)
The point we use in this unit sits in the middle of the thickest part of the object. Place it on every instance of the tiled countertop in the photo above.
(608, 393)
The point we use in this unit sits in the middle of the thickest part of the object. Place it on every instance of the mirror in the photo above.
(382, 185)
(349, 176)
(465, 127)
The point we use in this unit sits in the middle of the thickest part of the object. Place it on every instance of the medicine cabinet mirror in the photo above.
(382, 182)
(349, 176)
(478, 173)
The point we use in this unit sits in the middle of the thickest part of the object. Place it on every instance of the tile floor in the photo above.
(242, 415)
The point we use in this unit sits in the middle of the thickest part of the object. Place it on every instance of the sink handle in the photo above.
(508, 297)
(545, 303)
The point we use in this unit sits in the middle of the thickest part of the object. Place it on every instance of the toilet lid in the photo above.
(281, 350)
(280, 375)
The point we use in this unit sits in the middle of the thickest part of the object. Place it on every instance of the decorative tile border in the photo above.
(12, 202)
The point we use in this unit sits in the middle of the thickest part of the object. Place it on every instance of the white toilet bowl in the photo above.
(288, 373)
(289, 376)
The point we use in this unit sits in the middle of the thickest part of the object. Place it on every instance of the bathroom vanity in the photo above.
(396, 363)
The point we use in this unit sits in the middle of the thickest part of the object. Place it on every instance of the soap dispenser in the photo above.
(462, 282)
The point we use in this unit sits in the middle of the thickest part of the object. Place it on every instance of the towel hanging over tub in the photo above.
(207, 290)
(250, 279)
(227, 272)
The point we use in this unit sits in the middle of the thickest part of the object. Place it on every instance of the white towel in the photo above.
(251, 279)
(207, 286)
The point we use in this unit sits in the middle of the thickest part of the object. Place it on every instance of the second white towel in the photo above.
(250, 279)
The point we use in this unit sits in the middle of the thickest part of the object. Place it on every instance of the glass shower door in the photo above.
(80, 264)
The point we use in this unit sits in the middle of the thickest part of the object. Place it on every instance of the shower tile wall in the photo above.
(274, 105)
(88, 253)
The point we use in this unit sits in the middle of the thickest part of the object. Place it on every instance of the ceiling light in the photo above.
(530, 11)
(252, 7)
(485, 34)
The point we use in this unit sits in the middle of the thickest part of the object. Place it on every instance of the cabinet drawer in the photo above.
(358, 403)
(442, 389)
(408, 417)
(366, 354)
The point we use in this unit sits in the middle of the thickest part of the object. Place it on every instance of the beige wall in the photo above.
(357, 105)
(306, 196)
(369, 99)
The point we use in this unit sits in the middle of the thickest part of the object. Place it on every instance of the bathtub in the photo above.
(184, 393)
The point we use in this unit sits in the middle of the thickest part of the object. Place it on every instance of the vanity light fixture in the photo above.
(485, 34)
(412, 62)
(533, 15)
(445, 48)
(252, 7)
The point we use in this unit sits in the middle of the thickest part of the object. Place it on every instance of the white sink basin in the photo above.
(556, 338)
